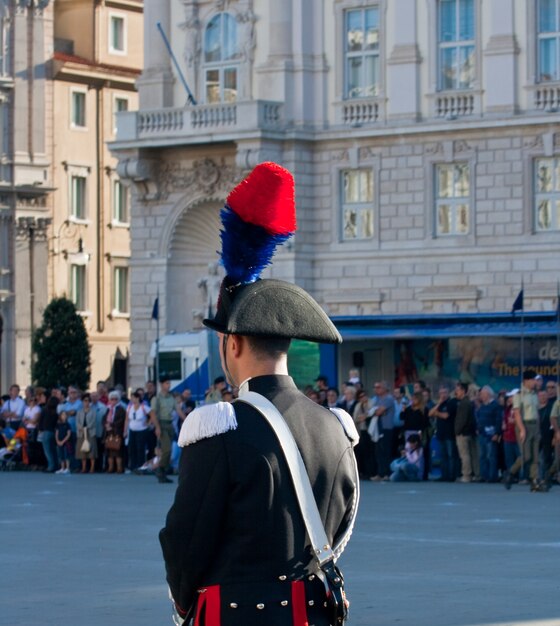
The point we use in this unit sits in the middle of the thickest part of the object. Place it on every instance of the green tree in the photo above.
(61, 347)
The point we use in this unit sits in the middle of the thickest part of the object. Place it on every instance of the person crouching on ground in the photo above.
(411, 464)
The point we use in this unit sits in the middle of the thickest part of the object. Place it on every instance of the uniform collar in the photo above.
(267, 384)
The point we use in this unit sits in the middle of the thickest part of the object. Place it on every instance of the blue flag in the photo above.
(518, 304)
(155, 310)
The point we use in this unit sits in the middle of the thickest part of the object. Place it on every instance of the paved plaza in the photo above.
(83, 550)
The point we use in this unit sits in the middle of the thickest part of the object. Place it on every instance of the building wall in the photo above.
(293, 55)
(99, 241)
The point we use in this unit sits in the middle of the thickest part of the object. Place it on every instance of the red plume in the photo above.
(266, 198)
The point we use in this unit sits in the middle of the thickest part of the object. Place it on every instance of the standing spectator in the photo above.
(526, 415)
(465, 435)
(13, 408)
(214, 394)
(149, 390)
(489, 417)
(416, 421)
(30, 421)
(509, 436)
(114, 427)
(102, 393)
(415, 417)
(444, 414)
(100, 412)
(47, 428)
(136, 429)
(365, 450)
(348, 402)
(555, 424)
(384, 408)
(71, 407)
(161, 414)
(545, 409)
(86, 423)
(63, 437)
(187, 402)
(401, 402)
(332, 398)
(322, 383)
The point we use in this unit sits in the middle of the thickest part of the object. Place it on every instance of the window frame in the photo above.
(111, 20)
(553, 196)
(72, 216)
(455, 44)
(221, 66)
(361, 207)
(347, 55)
(116, 99)
(116, 293)
(4, 41)
(115, 220)
(75, 268)
(74, 91)
(453, 201)
(539, 37)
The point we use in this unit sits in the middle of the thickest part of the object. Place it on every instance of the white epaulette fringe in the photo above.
(207, 421)
(348, 424)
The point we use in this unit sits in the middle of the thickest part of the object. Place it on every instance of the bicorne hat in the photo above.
(259, 215)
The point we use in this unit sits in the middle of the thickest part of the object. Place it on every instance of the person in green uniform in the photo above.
(161, 414)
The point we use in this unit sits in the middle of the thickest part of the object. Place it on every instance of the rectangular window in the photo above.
(547, 194)
(357, 204)
(3, 45)
(119, 104)
(221, 85)
(120, 203)
(120, 289)
(78, 197)
(548, 24)
(116, 34)
(78, 286)
(452, 199)
(78, 109)
(361, 41)
(456, 43)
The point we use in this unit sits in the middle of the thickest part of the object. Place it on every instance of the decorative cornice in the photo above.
(405, 54)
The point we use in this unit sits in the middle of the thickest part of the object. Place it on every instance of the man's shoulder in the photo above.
(207, 421)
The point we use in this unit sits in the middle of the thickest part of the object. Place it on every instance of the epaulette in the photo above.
(348, 424)
(207, 421)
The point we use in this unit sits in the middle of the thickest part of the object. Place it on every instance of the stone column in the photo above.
(500, 59)
(155, 85)
(404, 61)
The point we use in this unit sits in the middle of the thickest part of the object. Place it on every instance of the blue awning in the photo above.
(446, 326)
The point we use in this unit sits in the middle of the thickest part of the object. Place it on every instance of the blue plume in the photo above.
(246, 248)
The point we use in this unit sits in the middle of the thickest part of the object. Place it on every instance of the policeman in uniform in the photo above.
(235, 545)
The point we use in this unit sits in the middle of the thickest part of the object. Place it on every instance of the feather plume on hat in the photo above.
(259, 215)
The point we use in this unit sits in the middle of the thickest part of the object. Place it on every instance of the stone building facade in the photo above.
(26, 29)
(424, 139)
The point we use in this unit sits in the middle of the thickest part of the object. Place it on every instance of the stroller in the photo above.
(14, 455)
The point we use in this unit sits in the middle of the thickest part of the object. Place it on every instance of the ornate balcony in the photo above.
(193, 122)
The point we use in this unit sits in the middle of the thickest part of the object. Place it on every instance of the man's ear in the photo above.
(238, 345)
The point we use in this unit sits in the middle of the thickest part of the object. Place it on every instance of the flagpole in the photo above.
(157, 340)
(557, 334)
(522, 335)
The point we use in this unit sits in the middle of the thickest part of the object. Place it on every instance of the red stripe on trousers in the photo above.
(299, 610)
(210, 600)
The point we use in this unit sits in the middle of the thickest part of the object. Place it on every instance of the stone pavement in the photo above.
(83, 550)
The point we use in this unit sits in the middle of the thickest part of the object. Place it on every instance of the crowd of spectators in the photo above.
(465, 434)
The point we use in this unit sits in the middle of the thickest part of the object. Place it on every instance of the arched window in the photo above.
(221, 59)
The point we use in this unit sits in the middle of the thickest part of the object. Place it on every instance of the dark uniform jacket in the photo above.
(236, 522)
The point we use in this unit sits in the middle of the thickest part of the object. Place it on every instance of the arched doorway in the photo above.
(194, 244)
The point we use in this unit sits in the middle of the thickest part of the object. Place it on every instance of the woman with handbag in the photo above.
(113, 428)
(86, 448)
